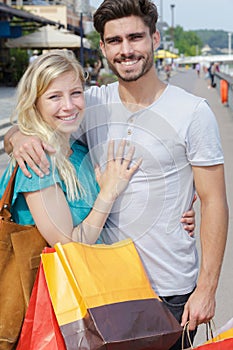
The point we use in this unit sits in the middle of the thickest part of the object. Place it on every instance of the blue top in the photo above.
(79, 208)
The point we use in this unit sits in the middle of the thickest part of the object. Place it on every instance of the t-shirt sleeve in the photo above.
(203, 139)
(35, 183)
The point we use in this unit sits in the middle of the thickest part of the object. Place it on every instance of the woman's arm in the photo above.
(51, 212)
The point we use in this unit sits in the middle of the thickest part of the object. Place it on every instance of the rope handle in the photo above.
(186, 330)
(209, 332)
(6, 199)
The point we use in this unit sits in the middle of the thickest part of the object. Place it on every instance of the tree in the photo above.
(216, 39)
(94, 39)
(187, 42)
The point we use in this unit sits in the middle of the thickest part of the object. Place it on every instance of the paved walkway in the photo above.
(198, 86)
(7, 98)
(188, 80)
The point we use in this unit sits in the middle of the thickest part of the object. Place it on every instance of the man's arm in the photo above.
(210, 186)
(28, 150)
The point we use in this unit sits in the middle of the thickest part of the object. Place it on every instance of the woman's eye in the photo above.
(54, 97)
(76, 93)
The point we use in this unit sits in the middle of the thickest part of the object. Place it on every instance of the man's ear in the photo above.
(102, 48)
(156, 39)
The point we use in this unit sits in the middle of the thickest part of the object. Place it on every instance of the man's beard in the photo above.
(148, 63)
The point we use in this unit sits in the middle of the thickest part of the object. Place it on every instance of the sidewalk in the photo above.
(7, 98)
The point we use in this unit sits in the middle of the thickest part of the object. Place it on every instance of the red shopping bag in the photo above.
(225, 344)
(223, 341)
(40, 329)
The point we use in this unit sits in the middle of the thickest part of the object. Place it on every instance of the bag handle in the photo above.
(5, 201)
(209, 333)
(186, 330)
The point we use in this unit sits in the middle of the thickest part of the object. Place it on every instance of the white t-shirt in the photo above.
(177, 131)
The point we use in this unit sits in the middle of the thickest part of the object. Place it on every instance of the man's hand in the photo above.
(30, 150)
(200, 308)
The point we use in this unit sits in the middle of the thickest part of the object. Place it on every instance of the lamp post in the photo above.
(161, 10)
(81, 40)
(172, 9)
(172, 23)
(229, 43)
(82, 8)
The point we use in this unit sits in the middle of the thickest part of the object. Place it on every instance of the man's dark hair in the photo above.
(114, 9)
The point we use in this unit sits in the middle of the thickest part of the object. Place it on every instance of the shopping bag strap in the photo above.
(209, 333)
(5, 201)
(186, 331)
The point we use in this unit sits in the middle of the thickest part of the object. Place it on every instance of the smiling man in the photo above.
(177, 136)
(169, 129)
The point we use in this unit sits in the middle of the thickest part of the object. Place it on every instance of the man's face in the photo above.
(129, 47)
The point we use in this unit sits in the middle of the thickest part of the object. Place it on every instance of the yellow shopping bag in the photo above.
(103, 299)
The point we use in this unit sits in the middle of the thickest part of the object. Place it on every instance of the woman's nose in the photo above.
(68, 102)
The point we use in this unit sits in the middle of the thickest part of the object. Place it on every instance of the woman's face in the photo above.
(62, 104)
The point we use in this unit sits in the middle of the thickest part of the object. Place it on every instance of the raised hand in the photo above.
(118, 172)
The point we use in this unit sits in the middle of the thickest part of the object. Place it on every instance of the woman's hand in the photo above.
(119, 170)
(188, 219)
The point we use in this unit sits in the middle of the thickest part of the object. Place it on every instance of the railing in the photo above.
(224, 85)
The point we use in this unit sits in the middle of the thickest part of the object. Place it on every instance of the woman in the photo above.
(66, 205)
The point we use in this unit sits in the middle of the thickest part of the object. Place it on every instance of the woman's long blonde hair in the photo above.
(32, 85)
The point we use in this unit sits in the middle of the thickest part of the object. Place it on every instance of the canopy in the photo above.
(48, 37)
(165, 54)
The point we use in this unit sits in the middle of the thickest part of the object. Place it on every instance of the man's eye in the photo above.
(113, 41)
(136, 37)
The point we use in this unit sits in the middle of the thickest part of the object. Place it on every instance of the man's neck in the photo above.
(142, 93)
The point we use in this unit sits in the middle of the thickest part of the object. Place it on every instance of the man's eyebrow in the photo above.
(136, 34)
(131, 35)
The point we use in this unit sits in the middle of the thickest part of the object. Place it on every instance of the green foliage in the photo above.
(94, 39)
(19, 63)
(213, 38)
(187, 42)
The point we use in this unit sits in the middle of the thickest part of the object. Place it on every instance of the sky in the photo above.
(195, 14)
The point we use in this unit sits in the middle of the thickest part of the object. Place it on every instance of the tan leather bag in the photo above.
(20, 248)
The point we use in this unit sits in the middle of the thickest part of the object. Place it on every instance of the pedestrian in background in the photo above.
(198, 69)
(34, 56)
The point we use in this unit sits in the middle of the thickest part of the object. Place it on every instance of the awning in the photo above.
(48, 37)
(27, 16)
(165, 54)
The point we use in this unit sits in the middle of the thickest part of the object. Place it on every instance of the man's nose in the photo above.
(126, 48)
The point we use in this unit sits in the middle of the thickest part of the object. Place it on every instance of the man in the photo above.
(176, 135)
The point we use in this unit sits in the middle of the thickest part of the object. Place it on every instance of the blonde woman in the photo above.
(68, 204)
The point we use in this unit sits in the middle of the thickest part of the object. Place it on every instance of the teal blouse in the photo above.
(79, 208)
